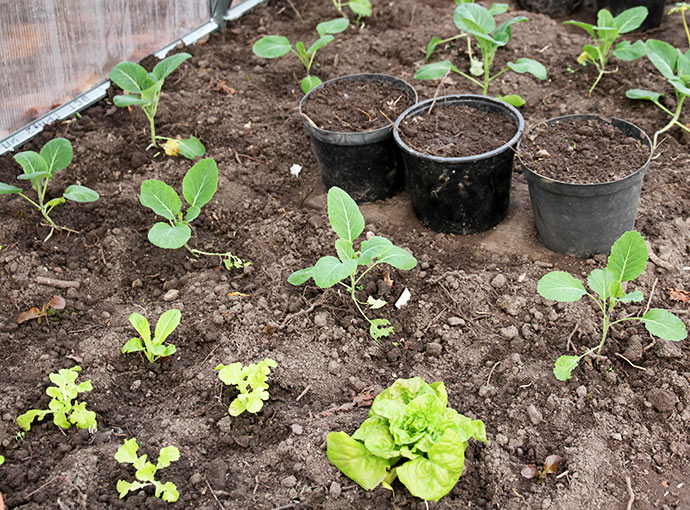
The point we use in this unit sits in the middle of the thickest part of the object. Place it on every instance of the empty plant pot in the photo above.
(582, 219)
(353, 136)
(459, 175)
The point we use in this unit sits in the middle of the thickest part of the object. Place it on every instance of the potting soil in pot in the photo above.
(582, 151)
(456, 131)
(355, 106)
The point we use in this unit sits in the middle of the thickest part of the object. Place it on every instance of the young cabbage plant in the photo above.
(144, 90)
(348, 223)
(411, 434)
(627, 261)
(64, 407)
(682, 8)
(362, 8)
(604, 35)
(153, 348)
(146, 471)
(275, 46)
(478, 22)
(198, 187)
(673, 65)
(39, 169)
(251, 383)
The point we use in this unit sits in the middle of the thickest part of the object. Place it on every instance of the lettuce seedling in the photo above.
(275, 46)
(673, 65)
(478, 22)
(145, 90)
(410, 434)
(198, 187)
(604, 35)
(64, 407)
(682, 8)
(146, 471)
(153, 348)
(550, 467)
(39, 169)
(243, 378)
(362, 8)
(627, 261)
(55, 303)
(348, 223)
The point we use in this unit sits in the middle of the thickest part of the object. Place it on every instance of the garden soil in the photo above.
(474, 321)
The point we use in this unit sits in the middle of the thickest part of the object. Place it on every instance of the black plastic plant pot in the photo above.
(585, 219)
(368, 165)
(550, 7)
(461, 195)
(655, 8)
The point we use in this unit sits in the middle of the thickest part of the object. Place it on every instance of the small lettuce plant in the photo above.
(198, 187)
(674, 65)
(362, 8)
(251, 383)
(153, 348)
(348, 223)
(146, 471)
(478, 22)
(39, 168)
(411, 434)
(627, 261)
(144, 90)
(64, 407)
(276, 46)
(605, 33)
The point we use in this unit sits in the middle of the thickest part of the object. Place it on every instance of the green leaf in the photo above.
(496, 9)
(585, 26)
(372, 249)
(33, 176)
(599, 281)
(232, 374)
(642, 94)
(375, 433)
(237, 407)
(344, 215)
(161, 198)
(129, 76)
(399, 258)
(560, 286)
(8, 189)
(168, 237)
(628, 258)
(512, 99)
(663, 56)
(334, 26)
(133, 345)
(435, 41)
(82, 418)
(355, 461)
(564, 367)
(319, 43)
(626, 51)
(127, 452)
(434, 71)
(680, 86)
(166, 456)
(630, 19)
(152, 91)
(309, 82)
(329, 270)
(632, 297)
(379, 328)
(124, 487)
(272, 46)
(664, 324)
(361, 8)
(124, 101)
(167, 491)
(32, 163)
(344, 249)
(141, 324)
(54, 202)
(200, 184)
(82, 194)
(58, 154)
(605, 19)
(169, 64)
(527, 65)
(503, 33)
(191, 148)
(301, 276)
(475, 14)
(166, 325)
(24, 421)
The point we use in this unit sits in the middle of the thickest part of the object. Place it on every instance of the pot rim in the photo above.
(645, 139)
(405, 86)
(454, 99)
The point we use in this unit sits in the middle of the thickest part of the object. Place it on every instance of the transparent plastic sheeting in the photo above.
(53, 50)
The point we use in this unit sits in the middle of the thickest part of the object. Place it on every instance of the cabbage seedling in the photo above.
(348, 223)
(604, 35)
(144, 90)
(153, 348)
(198, 187)
(275, 46)
(39, 169)
(243, 378)
(362, 8)
(673, 65)
(627, 261)
(682, 8)
(478, 22)
(64, 407)
(411, 434)
(146, 471)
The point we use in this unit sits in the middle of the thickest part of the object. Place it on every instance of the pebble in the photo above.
(321, 319)
(434, 349)
(543, 154)
(289, 482)
(297, 429)
(195, 479)
(456, 321)
(662, 400)
(498, 281)
(512, 305)
(333, 367)
(171, 295)
(135, 385)
(581, 391)
(534, 414)
(137, 283)
(509, 333)
(225, 424)
(501, 439)
(335, 490)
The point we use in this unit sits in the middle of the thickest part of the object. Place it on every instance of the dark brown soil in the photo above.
(454, 131)
(355, 106)
(474, 321)
(582, 151)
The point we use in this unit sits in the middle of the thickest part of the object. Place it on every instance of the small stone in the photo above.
(137, 283)
(171, 295)
(543, 154)
(581, 391)
(434, 349)
(289, 482)
(135, 385)
(509, 333)
(616, 436)
(196, 479)
(512, 305)
(333, 367)
(534, 414)
(335, 490)
(321, 319)
(297, 429)
(668, 350)
(501, 439)
(225, 424)
(456, 321)
(662, 400)
(498, 281)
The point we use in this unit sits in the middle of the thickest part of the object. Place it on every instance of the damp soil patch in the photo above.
(453, 131)
(582, 151)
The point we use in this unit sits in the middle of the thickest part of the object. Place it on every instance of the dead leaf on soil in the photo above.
(33, 313)
(679, 295)
(388, 280)
(364, 399)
